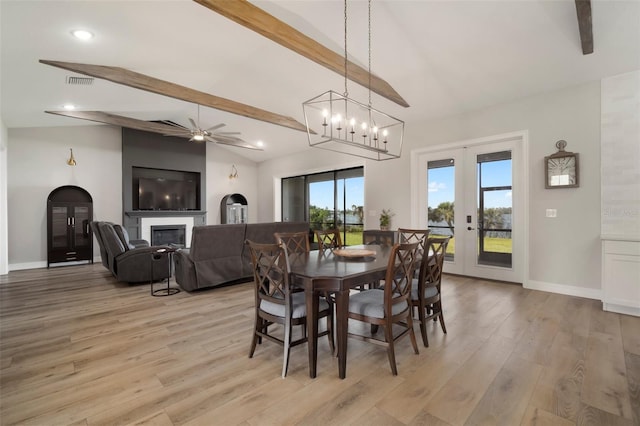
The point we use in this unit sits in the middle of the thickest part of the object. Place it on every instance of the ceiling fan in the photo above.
(198, 134)
(166, 128)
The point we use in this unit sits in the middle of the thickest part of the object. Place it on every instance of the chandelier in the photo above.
(351, 127)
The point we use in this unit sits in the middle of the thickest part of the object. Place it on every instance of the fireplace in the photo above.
(162, 235)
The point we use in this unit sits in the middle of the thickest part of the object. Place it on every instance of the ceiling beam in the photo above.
(166, 88)
(256, 19)
(583, 8)
(149, 126)
(119, 120)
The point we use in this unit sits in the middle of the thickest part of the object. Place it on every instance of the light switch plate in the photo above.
(552, 213)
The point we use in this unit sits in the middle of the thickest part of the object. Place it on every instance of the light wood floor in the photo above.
(78, 348)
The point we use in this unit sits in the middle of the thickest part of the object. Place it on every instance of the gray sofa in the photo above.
(218, 254)
(131, 261)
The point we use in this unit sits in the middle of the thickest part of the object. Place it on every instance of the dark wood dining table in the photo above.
(324, 271)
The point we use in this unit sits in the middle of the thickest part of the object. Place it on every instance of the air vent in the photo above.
(82, 81)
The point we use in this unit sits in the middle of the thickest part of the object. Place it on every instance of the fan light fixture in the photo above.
(349, 126)
(82, 34)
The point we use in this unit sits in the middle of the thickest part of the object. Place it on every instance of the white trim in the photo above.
(589, 293)
(43, 264)
(522, 137)
(147, 222)
(621, 309)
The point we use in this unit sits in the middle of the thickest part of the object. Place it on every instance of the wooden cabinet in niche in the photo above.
(69, 236)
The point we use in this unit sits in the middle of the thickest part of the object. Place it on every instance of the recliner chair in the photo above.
(132, 265)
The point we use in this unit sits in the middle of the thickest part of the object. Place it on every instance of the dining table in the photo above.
(336, 271)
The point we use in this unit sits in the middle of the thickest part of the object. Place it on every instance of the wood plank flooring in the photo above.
(79, 348)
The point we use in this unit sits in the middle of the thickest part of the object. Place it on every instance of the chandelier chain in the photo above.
(369, 52)
(346, 92)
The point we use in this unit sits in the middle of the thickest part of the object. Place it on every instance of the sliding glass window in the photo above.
(327, 200)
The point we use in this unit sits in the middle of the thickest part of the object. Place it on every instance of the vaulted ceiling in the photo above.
(442, 57)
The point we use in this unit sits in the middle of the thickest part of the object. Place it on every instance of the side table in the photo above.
(168, 291)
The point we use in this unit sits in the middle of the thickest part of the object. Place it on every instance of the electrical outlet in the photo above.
(552, 213)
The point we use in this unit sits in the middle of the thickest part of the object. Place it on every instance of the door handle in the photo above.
(470, 228)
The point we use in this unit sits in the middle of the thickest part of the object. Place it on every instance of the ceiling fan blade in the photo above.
(227, 133)
(217, 126)
(256, 19)
(171, 123)
(238, 144)
(194, 125)
(166, 88)
(119, 120)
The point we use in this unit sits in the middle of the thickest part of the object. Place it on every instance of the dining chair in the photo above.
(425, 293)
(295, 242)
(419, 236)
(276, 302)
(328, 238)
(390, 306)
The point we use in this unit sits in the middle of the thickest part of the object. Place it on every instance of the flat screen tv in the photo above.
(162, 193)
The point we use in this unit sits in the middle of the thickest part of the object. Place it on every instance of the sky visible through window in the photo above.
(321, 194)
(496, 173)
(441, 187)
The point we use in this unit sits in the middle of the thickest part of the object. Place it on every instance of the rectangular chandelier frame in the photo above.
(351, 127)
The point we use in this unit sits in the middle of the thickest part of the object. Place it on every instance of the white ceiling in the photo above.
(443, 57)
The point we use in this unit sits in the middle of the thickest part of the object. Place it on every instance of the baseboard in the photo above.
(27, 265)
(43, 264)
(621, 309)
(588, 293)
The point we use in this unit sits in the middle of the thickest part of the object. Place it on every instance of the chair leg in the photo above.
(256, 338)
(388, 335)
(287, 346)
(330, 333)
(412, 335)
(423, 325)
(441, 317)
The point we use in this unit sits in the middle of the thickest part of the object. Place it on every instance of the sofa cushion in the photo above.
(124, 236)
(216, 252)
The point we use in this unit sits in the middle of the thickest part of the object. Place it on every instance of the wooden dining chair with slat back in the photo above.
(419, 236)
(426, 295)
(276, 302)
(328, 238)
(391, 306)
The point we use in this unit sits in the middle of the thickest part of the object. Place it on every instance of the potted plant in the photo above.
(385, 219)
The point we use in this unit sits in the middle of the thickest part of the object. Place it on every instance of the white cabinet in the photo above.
(621, 276)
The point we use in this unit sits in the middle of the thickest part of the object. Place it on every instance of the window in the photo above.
(327, 200)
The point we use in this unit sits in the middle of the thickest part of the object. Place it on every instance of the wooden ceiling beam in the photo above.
(166, 88)
(256, 19)
(585, 25)
(119, 120)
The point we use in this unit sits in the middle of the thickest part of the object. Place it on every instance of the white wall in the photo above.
(565, 251)
(219, 162)
(37, 165)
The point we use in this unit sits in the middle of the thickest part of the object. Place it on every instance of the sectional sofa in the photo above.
(218, 254)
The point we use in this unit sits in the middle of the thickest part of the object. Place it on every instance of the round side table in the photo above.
(168, 291)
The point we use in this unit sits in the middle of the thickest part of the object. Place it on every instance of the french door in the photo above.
(475, 194)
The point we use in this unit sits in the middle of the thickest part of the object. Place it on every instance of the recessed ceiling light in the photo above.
(82, 34)
(260, 143)
(69, 107)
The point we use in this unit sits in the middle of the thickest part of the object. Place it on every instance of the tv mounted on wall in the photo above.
(158, 189)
